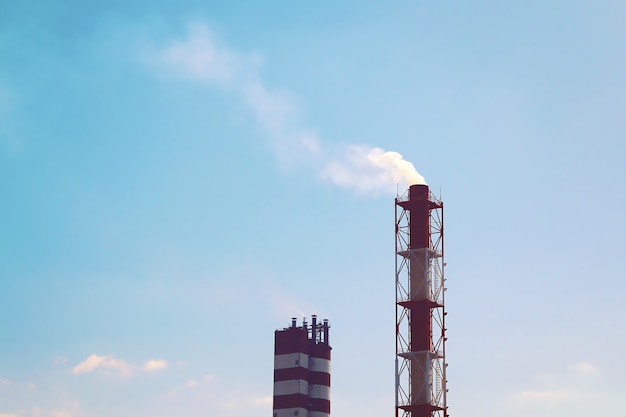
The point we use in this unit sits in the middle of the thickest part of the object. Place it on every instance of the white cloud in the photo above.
(261, 401)
(584, 368)
(575, 383)
(94, 362)
(200, 58)
(36, 411)
(155, 365)
(192, 383)
(9, 415)
(61, 413)
(59, 360)
(544, 395)
(231, 405)
(4, 382)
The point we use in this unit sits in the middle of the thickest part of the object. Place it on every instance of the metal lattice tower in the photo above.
(420, 313)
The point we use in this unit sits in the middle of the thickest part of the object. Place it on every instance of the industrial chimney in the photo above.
(420, 313)
(302, 370)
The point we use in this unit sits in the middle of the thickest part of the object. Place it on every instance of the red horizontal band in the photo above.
(319, 378)
(290, 341)
(319, 351)
(287, 374)
(290, 401)
(319, 404)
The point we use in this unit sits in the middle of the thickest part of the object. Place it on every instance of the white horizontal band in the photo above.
(316, 414)
(319, 391)
(298, 386)
(291, 360)
(319, 365)
(290, 412)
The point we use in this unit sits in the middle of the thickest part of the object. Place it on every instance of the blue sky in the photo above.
(179, 179)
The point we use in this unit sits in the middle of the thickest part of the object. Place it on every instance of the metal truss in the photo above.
(431, 364)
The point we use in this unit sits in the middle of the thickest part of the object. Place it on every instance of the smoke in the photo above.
(371, 170)
(201, 59)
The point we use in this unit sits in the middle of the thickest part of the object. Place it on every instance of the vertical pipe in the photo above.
(397, 384)
(419, 290)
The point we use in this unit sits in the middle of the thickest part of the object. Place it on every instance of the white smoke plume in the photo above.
(199, 58)
(371, 170)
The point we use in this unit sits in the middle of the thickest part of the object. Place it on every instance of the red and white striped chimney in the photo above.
(302, 370)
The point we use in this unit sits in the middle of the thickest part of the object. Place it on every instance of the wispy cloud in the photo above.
(584, 368)
(248, 404)
(154, 365)
(28, 385)
(94, 362)
(261, 401)
(193, 383)
(284, 304)
(544, 395)
(9, 415)
(59, 360)
(109, 362)
(201, 59)
(190, 385)
(574, 381)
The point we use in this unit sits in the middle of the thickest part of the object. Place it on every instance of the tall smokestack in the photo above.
(302, 370)
(420, 347)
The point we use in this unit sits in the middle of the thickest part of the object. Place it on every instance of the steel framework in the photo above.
(420, 313)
